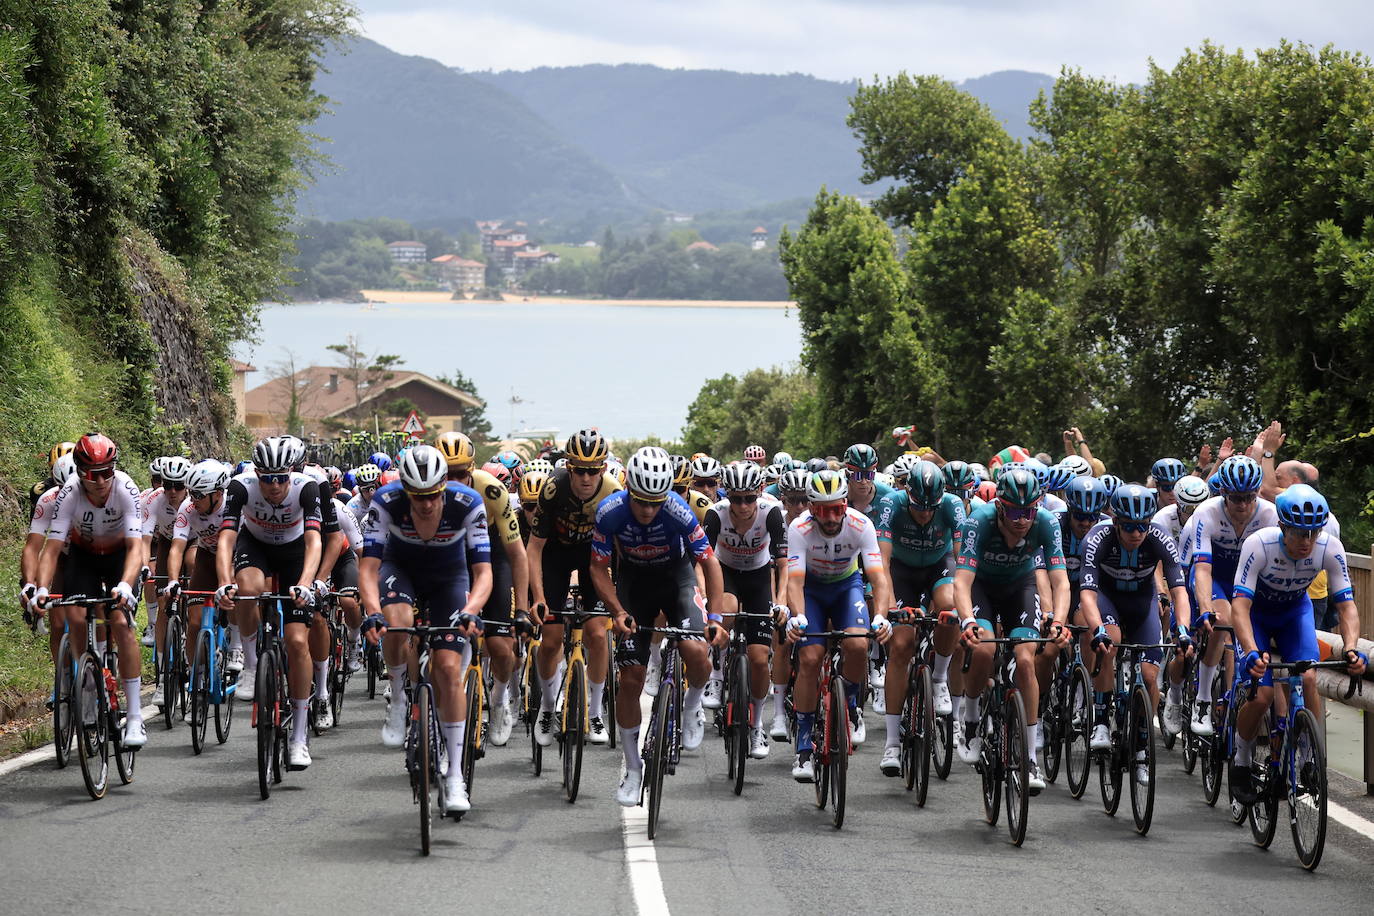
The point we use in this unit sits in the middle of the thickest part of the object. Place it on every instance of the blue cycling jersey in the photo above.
(673, 532)
(461, 538)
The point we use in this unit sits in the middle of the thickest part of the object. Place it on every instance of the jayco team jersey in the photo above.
(92, 528)
(914, 544)
(247, 509)
(812, 554)
(1108, 566)
(751, 548)
(1217, 541)
(985, 552)
(667, 539)
(349, 526)
(1270, 577)
(198, 528)
(160, 514)
(460, 539)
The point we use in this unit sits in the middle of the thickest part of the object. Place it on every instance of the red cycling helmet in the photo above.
(95, 450)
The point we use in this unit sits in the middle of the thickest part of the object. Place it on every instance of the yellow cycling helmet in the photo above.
(586, 448)
(58, 450)
(457, 450)
(531, 485)
(682, 471)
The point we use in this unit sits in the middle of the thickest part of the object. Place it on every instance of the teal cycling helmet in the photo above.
(1018, 487)
(926, 485)
(958, 475)
(860, 457)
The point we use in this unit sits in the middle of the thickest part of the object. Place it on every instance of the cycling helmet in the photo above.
(1301, 506)
(1111, 482)
(243, 467)
(682, 470)
(1168, 471)
(980, 472)
(816, 465)
(457, 450)
(705, 466)
(741, 477)
(512, 461)
(334, 476)
(1190, 490)
(63, 469)
(381, 459)
(1240, 474)
(1086, 494)
(771, 473)
(902, 467)
(272, 455)
(155, 466)
(1058, 477)
(205, 478)
(175, 469)
(586, 448)
(958, 475)
(987, 491)
(368, 475)
(925, 484)
(860, 457)
(423, 469)
(755, 453)
(1018, 487)
(57, 451)
(1214, 484)
(1039, 469)
(94, 450)
(500, 472)
(827, 486)
(1078, 465)
(532, 484)
(539, 465)
(793, 481)
(1133, 503)
(649, 474)
(783, 460)
(295, 451)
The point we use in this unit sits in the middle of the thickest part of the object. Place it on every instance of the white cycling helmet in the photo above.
(63, 469)
(706, 466)
(155, 466)
(273, 455)
(205, 478)
(423, 470)
(649, 474)
(741, 477)
(1078, 464)
(295, 450)
(175, 469)
(1190, 490)
(901, 468)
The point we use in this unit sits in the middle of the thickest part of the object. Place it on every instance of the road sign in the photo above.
(412, 426)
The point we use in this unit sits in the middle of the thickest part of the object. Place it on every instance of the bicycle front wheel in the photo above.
(424, 767)
(1077, 727)
(266, 713)
(93, 734)
(1212, 750)
(611, 686)
(224, 709)
(200, 692)
(738, 722)
(174, 679)
(990, 758)
(920, 726)
(658, 756)
(338, 676)
(838, 749)
(472, 735)
(574, 727)
(1140, 760)
(1305, 780)
(1016, 757)
(124, 756)
(533, 698)
(63, 705)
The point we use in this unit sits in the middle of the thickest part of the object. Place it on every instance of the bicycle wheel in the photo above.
(1017, 761)
(1077, 727)
(338, 676)
(921, 725)
(1163, 696)
(424, 767)
(124, 756)
(1051, 720)
(224, 709)
(93, 731)
(820, 749)
(738, 723)
(1190, 744)
(1305, 757)
(612, 684)
(990, 757)
(1264, 813)
(1239, 812)
(63, 702)
(265, 716)
(838, 748)
(942, 745)
(574, 727)
(200, 692)
(472, 735)
(1212, 751)
(174, 676)
(1110, 764)
(1141, 744)
(372, 662)
(658, 756)
(534, 697)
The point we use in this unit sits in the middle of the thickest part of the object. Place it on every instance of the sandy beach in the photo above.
(404, 297)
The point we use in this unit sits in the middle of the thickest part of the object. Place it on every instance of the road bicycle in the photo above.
(1212, 751)
(830, 754)
(272, 711)
(211, 684)
(337, 671)
(572, 703)
(1064, 721)
(170, 662)
(662, 749)
(1130, 717)
(734, 719)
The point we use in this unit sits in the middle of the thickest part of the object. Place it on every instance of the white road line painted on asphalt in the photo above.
(28, 758)
(1348, 818)
(640, 859)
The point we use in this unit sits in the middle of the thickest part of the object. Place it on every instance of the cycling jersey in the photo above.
(461, 537)
(1217, 542)
(1073, 551)
(880, 492)
(561, 516)
(1167, 519)
(1109, 567)
(1274, 580)
(503, 527)
(42, 511)
(246, 507)
(349, 526)
(986, 553)
(97, 529)
(1055, 504)
(818, 557)
(160, 514)
(700, 504)
(357, 507)
(194, 526)
(664, 541)
(753, 547)
(913, 543)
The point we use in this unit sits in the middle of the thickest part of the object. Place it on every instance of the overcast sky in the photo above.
(844, 39)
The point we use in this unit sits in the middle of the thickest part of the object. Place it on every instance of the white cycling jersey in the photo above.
(42, 512)
(1055, 504)
(357, 507)
(751, 548)
(92, 528)
(160, 514)
(1218, 542)
(272, 523)
(811, 553)
(1270, 577)
(194, 526)
(348, 524)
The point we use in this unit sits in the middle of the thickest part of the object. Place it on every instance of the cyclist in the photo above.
(1270, 605)
(792, 492)
(917, 529)
(699, 503)
(369, 478)
(652, 531)
(507, 609)
(1188, 492)
(271, 526)
(1086, 499)
(425, 534)
(561, 546)
(749, 534)
(994, 583)
(63, 469)
(47, 483)
(706, 481)
(96, 517)
(159, 522)
(1222, 525)
(197, 531)
(1118, 597)
(1166, 473)
(830, 548)
(865, 492)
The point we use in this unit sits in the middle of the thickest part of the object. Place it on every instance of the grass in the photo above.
(574, 254)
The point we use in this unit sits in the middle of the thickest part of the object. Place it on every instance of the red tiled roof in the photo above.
(317, 400)
(702, 246)
(759, 229)
(240, 366)
(510, 243)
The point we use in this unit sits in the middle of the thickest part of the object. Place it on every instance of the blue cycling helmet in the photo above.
(1214, 484)
(1168, 471)
(1240, 474)
(1039, 469)
(925, 484)
(381, 459)
(1086, 494)
(1301, 506)
(1111, 482)
(1133, 503)
(1058, 477)
(242, 466)
(349, 481)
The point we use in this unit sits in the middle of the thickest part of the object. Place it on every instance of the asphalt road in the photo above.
(191, 834)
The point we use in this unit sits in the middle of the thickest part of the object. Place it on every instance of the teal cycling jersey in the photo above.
(880, 492)
(987, 554)
(915, 544)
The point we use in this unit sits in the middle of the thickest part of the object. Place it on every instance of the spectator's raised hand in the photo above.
(1272, 437)
(1226, 450)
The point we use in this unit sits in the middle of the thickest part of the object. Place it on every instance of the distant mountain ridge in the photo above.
(419, 141)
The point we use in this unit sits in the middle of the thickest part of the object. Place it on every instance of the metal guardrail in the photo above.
(1333, 685)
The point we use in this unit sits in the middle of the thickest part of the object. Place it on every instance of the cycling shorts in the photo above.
(1221, 589)
(754, 589)
(644, 593)
(914, 586)
(1288, 628)
(442, 599)
(1137, 614)
(345, 571)
(286, 561)
(558, 564)
(497, 614)
(834, 606)
(91, 575)
(1015, 605)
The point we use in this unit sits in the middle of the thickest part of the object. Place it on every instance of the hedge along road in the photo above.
(191, 832)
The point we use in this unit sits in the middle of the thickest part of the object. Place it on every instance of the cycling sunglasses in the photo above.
(587, 472)
(173, 486)
(1017, 514)
(1133, 527)
(1241, 499)
(707, 482)
(1084, 516)
(829, 510)
(856, 474)
(1163, 487)
(744, 498)
(274, 478)
(798, 499)
(529, 507)
(104, 473)
(425, 497)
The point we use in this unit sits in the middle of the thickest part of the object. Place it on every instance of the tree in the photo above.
(298, 391)
(365, 372)
(475, 422)
(759, 407)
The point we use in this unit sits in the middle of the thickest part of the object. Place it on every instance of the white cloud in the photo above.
(860, 38)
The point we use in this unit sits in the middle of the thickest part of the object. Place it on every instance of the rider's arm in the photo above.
(234, 499)
(368, 569)
(777, 545)
(480, 589)
(715, 582)
(175, 555)
(508, 525)
(534, 559)
(1240, 619)
(312, 558)
(963, 593)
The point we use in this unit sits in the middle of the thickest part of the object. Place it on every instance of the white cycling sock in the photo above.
(1030, 740)
(321, 681)
(595, 695)
(894, 729)
(100, 647)
(717, 675)
(758, 703)
(152, 613)
(299, 719)
(1205, 673)
(656, 653)
(958, 702)
(1039, 738)
(454, 732)
(132, 686)
(1175, 693)
(500, 690)
(235, 638)
(691, 698)
(1245, 751)
(250, 652)
(779, 699)
(550, 697)
(629, 743)
(941, 672)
